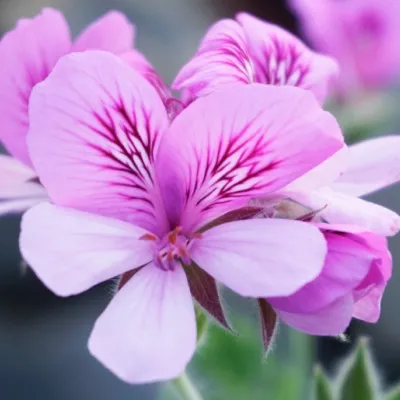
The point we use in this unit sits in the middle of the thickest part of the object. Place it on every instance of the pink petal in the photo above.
(71, 251)
(221, 59)
(324, 174)
(281, 59)
(17, 180)
(95, 148)
(247, 141)
(261, 257)
(141, 65)
(148, 332)
(112, 32)
(28, 53)
(374, 164)
(18, 189)
(347, 263)
(331, 321)
(368, 308)
(338, 208)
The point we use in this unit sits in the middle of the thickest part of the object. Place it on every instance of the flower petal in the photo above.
(17, 180)
(261, 257)
(221, 59)
(281, 59)
(338, 208)
(148, 332)
(324, 174)
(141, 65)
(331, 321)
(374, 164)
(28, 53)
(71, 251)
(94, 150)
(368, 308)
(347, 263)
(246, 141)
(112, 32)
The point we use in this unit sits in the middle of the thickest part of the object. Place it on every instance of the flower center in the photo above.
(173, 247)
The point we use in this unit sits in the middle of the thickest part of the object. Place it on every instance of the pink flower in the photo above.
(248, 50)
(28, 53)
(368, 166)
(361, 34)
(357, 268)
(137, 195)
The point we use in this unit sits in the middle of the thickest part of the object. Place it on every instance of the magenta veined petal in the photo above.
(95, 149)
(238, 143)
(282, 59)
(222, 58)
(112, 32)
(40, 41)
(373, 164)
(261, 257)
(71, 251)
(249, 50)
(148, 331)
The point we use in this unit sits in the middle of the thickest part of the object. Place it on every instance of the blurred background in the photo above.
(43, 352)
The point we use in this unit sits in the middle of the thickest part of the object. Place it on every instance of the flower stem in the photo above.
(185, 388)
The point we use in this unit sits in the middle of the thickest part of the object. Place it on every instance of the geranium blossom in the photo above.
(28, 53)
(136, 195)
(357, 268)
(248, 50)
(361, 34)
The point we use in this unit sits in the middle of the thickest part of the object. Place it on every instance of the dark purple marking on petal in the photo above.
(233, 170)
(282, 64)
(204, 289)
(269, 323)
(126, 150)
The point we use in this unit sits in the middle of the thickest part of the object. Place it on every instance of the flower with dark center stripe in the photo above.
(153, 201)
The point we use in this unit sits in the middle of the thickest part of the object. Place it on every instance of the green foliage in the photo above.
(359, 377)
(394, 394)
(321, 386)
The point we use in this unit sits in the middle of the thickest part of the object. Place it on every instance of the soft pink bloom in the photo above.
(28, 53)
(357, 268)
(248, 50)
(363, 35)
(137, 195)
(367, 167)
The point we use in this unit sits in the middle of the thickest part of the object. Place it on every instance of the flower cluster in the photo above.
(244, 180)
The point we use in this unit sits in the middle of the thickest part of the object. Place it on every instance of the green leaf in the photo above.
(321, 385)
(394, 394)
(359, 377)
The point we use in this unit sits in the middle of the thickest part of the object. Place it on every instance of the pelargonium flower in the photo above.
(367, 167)
(357, 268)
(361, 34)
(248, 50)
(139, 196)
(28, 53)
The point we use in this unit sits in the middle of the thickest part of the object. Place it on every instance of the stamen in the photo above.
(148, 236)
